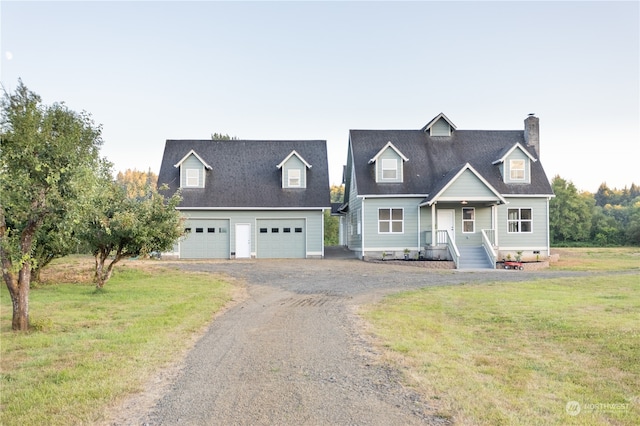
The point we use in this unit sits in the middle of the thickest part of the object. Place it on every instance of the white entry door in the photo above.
(243, 240)
(446, 221)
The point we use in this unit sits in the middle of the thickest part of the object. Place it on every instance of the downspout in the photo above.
(361, 226)
(548, 233)
(494, 224)
(322, 220)
(418, 228)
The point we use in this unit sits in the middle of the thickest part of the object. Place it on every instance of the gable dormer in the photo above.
(389, 164)
(192, 170)
(515, 164)
(439, 126)
(294, 171)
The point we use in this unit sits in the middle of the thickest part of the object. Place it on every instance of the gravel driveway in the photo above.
(293, 351)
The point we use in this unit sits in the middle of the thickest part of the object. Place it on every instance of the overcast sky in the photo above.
(151, 71)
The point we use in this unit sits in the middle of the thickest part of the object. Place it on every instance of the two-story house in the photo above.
(247, 198)
(471, 196)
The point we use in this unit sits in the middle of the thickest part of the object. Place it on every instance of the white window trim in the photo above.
(394, 168)
(473, 220)
(519, 221)
(189, 177)
(513, 169)
(291, 177)
(391, 221)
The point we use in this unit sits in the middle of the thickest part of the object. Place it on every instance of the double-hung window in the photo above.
(193, 177)
(468, 219)
(294, 178)
(519, 220)
(517, 169)
(389, 168)
(390, 221)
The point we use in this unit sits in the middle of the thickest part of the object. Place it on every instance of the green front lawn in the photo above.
(518, 353)
(90, 349)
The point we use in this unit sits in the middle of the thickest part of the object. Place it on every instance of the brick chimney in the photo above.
(532, 133)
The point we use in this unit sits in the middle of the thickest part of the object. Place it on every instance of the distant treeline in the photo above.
(610, 217)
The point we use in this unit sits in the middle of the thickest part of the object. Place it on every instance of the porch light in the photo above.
(463, 202)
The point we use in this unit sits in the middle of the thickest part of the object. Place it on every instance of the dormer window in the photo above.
(294, 171)
(294, 178)
(389, 164)
(515, 164)
(517, 169)
(192, 170)
(389, 168)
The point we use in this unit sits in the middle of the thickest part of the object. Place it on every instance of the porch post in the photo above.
(494, 224)
(433, 224)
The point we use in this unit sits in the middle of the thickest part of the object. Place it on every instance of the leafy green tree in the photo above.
(121, 227)
(570, 213)
(331, 229)
(337, 193)
(605, 231)
(48, 154)
(332, 223)
(632, 233)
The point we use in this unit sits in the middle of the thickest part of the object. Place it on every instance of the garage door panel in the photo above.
(281, 238)
(206, 239)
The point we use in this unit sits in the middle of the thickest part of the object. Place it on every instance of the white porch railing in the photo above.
(441, 237)
(444, 237)
(451, 244)
(491, 236)
(488, 245)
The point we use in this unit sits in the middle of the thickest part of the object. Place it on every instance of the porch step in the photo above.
(474, 258)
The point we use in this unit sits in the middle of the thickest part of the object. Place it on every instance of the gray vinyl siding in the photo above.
(536, 239)
(468, 185)
(191, 163)
(294, 163)
(425, 224)
(389, 154)
(517, 154)
(482, 221)
(374, 240)
(313, 228)
(354, 239)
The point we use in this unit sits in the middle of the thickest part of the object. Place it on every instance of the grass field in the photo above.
(597, 259)
(91, 348)
(549, 351)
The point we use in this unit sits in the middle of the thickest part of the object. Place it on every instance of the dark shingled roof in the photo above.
(432, 158)
(244, 173)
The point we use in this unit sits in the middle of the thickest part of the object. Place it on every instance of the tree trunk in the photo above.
(18, 286)
(20, 301)
(98, 278)
(103, 275)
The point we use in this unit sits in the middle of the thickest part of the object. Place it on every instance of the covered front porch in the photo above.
(463, 233)
(459, 221)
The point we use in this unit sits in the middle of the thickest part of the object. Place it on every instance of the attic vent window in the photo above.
(441, 128)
